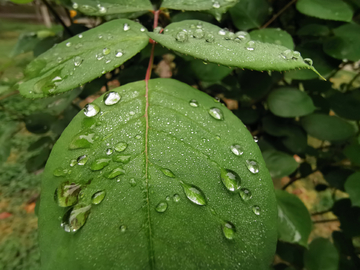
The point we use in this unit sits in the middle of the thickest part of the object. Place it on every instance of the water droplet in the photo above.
(82, 160)
(116, 172)
(241, 36)
(245, 194)
(59, 59)
(99, 56)
(81, 141)
(176, 198)
(126, 27)
(199, 33)
(99, 164)
(123, 228)
(308, 61)
(256, 139)
(194, 194)
(120, 147)
(68, 44)
(132, 182)
(77, 61)
(167, 172)
(216, 113)
(98, 197)
(138, 137)
(67, 194)
(61, 172)
(73, 162)
(237, 149)
(250, 45)
(109, 151)
(222, 32)
(157, 29)
(218, 137)
(75, 5)
(194, 103)
(102, 10)
(111, 98)
(230, 179)
(122, 159)
(100, 36)
(252, 166)
(256, 209)
(161, 207)
(296, 55)
(216, 4)
(181, 36)
(142, 29)
(119, 53)
(106, 51)
(228, 230)
(229, 36)
(287, 54)
(108, 61)
(91, 110)
(80, 36)
(209, 38)
(75, 218)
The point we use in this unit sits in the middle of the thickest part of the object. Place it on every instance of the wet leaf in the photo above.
(273, 36)
(167, 194)
(322, 254)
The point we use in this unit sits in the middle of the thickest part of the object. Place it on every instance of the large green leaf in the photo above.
(274, 36)
(322, 254)
(170, 162)
(209, 72)
(290, 102)
(345, 42)
(325, 127)
(106, 7)
(279, 163)
(352, 186)
(346, 105)
(335, 10)
(211, 43)
(248, 14)
(294, 222)
(82, 58)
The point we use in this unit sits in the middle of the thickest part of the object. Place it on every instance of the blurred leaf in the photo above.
(248, 14)
(321, 104)
(25, 43)
(248, 115)
(294, 222)
(352, 187)
(6, 132)
(346, 105)
(325, 127)
(317, 86)
(352, 153)
(21, 1)
(336, 177)
(314, 30)
(43, 141)
(345, 44)
(38, 161)
(349, 217)
(191, 15)
(322, 254)
(254, 84)
(343, 243)
(45, 44)
(273, 36)
(335, 10)
(279, 164)
(39, 123)
(290, 102)
(305, 169)
(209, 72)
(291, 253)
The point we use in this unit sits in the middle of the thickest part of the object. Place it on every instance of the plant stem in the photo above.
(278, 14)
(321, 212)
(295, 179)
(58, 18)
(9, 94)
(326, 220)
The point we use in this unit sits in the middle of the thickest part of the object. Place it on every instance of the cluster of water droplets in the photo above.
(90, 9)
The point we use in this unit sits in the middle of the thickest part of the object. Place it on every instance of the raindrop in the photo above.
(161, 207)
(142, 29)
(237, 149)
(250, 45)
(222, 32)
(82, 160)
(308, 61)
(68, 44)
(252, 166)
(209, 38)
(245, 194)
(228, 230)
(108, 61)
(120, 147)
(256, 209)
(100, 36)
(67, 194)
(287, 54)
(296, 55)
(77, 61)
(123, 228)
(181, 36)
(256, 139)
(194, 103)
(138, 137)
(216, 113)
(132, 182)
(176, 198)
(73, 162)
(109, 151)
(116, 172)
(216, 4)
(241, 36)
(111, 98)
(199, 33)
(229, 36)
(81, 141)
(106, 51)
(167, 172)
(61, 172)
(99, 164)
(194, 194)
(80, 36)
(119, 53)
(91, 110)
(122, 159)
(99, 56)
(75, 5)
(102, 10)
(59, 59)
(230, 179)
(98, 197)
(126, 27)
(75, 218)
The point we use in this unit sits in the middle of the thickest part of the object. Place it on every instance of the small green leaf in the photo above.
(211, 43)
(352, 187)
(273, 36)
(290, 102)
(249, 14)
(25, 43)
(346, 105)
(345, 43)
(352, 152)
(209, 72)
(279, 163)
(325, 127)
(82, 58)
(314, 30)
(107, 7)
(322, 254)
(294, 222)
(336, 177)
(335, 10)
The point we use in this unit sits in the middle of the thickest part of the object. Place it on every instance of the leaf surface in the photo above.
(170, 167)
(352, 187)
(279, 163)
(322, 254)
(273, 36)
(82, 58)
(211, 43)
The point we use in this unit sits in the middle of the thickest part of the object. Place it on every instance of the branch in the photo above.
(325, 220)
(278, 14)
(296, 178)
(57, 17)
(321, 212)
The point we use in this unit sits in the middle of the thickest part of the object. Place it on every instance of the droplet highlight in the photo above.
(230, 179)
(229, 230)
(252, 166)
(98, 197)
(111, 98)
(120, 147)
(161, 207)
(91, 110)
(256, 209)
(193, 193)
(245, 194)
(194, 103)
(167, 172)
(236, 149)
(216, 113)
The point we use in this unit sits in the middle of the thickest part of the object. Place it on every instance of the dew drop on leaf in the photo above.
(256, 139)
(222, 32)
(194, 194)
(68, 44)
(75, 218)
(287, 54)
(252, 166)
(77, 61)
(142, 29)
(250, 45)
(161, 207)
(116, 172)
(157, 29)
(241, 36)
(256, 209)
(126, 27)
(67, 194)
(122, 159)
(181, 36)
(109, 151)
(176, 198)
(106, 51)
(229, 36)
(216, 4)
(119, 53)
(61, 172)
(230, 179)
(80, 36)
(98, 197)
(132, 182)
(245, 194)
(216, 113)
(123, 228)
(120, 147)
(75, 5)
(99, 164)
(229, 230)
(111, 98)
(91, 110)
(194, 103)
(296, 55)
(102, 9)
(138, 137)
(81, 141)
(199, 33)
(73, 162)
(209, 38)
(82, 160)
(167, 172)
(237, 149)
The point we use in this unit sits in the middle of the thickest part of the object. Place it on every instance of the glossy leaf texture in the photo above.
(185, 186)
(274, 36)
(82, 58)
(107, 7)
(352, 187)
(294, 222)
(336, 10)
(211, 43)
(322, 254)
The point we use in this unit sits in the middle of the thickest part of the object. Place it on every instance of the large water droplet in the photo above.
(77, 61)
(99, 56)
(73, 162)
(194, 194)
(287, 54)
(237, 149)
(75, 218)
(121, 158)
(111, 98)
(252, 165)
(82, 160)
(161, 207)
(119, 53)
(67, 194)
(256, 209)
(241, 36)
(80, 36)
(116, 172)
(91, 110)
(194, 103)
(296, 55)
(109, 151)
(308, 61)
(142, 29)
(75, 5)
(199, 33)
(222, 32)
(229, 36)
(106, 51)
(61, 172)
(216, 4)
(216, 113)
(102, 9)
(228, 230)
(132, 182)
(123, 228)
(126, 27)
(120, 147)
(230, 179)
(99, 164)
(176, 198)
(245, 194)
(68, 44)
(250, 45)
(181, 36)
(98, 197)
(82, 141)
(209, 38)
(167, 172)
(256, 139)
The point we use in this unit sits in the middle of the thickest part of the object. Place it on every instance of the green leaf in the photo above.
(6, 132)
(279, 163)
(209, 72)
(290, 102)
(352, 152)
(21, 1)
(177, 151)
(273, 36)
(248, 14)
(345, 43)
(325, 127)
(322, 254)
(352, 187)
(314, 29)
(346, 105)
(82, 58)
(335, 10)
(336, 177)
(349, 217)
(211, 43)
(294, 222)
(107, 7)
